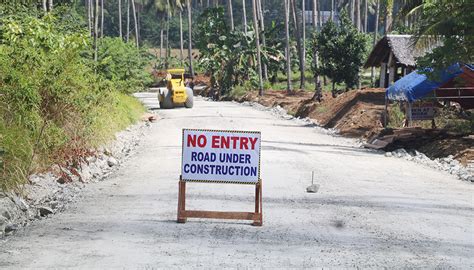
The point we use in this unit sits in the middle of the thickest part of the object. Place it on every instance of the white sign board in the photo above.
(422, 111)
(221, 156)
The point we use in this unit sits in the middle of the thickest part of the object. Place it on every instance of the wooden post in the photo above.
(383, 73)
(183, 214)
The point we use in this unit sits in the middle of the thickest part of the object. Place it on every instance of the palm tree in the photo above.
(128, 20)
(96, 26)
(332, 10)
(135, 21)
(101, 18)
(245, 16)
(262, 26)
(303, 46)
(366, 10)
(190, 40)
(298, 39)
(257, 43)
(374, 41)
(231, 15)
(357, 15)
(388, 15)
(45, 6)
(120, 17)
(287, 39)
(50, 5)
(317, 82)
(181, 50)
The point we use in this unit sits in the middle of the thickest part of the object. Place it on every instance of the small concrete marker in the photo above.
(313, 188)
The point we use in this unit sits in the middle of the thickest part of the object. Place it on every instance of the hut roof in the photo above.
(403, 48)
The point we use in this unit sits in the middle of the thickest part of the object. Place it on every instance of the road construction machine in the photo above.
(176, 92)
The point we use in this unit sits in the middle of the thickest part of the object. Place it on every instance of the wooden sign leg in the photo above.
(258, 218)
(181, 202)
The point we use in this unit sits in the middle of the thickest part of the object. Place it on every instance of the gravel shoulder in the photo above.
(371, 211)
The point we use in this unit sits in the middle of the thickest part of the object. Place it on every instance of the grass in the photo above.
(281, 83)
(17, 143)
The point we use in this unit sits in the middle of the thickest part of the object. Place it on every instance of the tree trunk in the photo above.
(128, 20)
(262, 28)
(366, 11)
(332, 10)
(357, 15)
(190, 40)
(181, 48)
(161, 40)
(317, 82)
(374, 41)
(135, 21)
(245, 15)
(101, 18)
(287, 40)
(89, 15)
(352, 11)
(388, 16)
(320, 19)
(120, 17)
(96, 26)
(45, 6)
(231, 14)
(167, 40)
(303, 46)
(51, 5)
(298, 38)
(257, 43)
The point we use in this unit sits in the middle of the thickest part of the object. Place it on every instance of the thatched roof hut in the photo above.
(402, 46)
(393, 52)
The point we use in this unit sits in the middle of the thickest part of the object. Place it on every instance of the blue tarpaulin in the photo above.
(415, 85)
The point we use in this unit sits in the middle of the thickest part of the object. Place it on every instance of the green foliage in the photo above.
(452, 23)
(123, 65)
(52, 98)
(342, 50)
(230, 56)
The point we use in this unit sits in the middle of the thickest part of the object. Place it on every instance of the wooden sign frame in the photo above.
(256, 217)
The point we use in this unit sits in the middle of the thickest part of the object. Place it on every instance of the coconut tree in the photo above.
(120, 17)
(299, 42)
(374, 40)
(135, 21)
(303, 46)
(128, 20)
(231, 15)
(257, 44)
(101, 18)
(287, 43)
(317, 82)
(96, 26)
(190, 39)
(244, 11)
(262, 29)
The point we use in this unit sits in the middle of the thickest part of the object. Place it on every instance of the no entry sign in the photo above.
(221, 156)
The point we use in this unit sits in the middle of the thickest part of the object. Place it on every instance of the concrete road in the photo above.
(370, 212)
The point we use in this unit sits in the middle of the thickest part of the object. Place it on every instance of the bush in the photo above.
(123, 64)
(52, 100)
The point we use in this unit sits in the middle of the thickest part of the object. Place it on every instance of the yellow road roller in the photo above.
(176, 92)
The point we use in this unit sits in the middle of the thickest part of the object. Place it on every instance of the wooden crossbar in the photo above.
(183, 214)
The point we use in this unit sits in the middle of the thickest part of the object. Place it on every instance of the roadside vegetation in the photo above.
(56, 101)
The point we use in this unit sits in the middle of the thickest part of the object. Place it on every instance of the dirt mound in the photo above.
(354, 113)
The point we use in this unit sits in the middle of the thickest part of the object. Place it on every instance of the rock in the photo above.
(388, 154)
(112, 162)
(10, 227)
(20, 203)
(44, 211)
(313, 188)
(54, 204)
